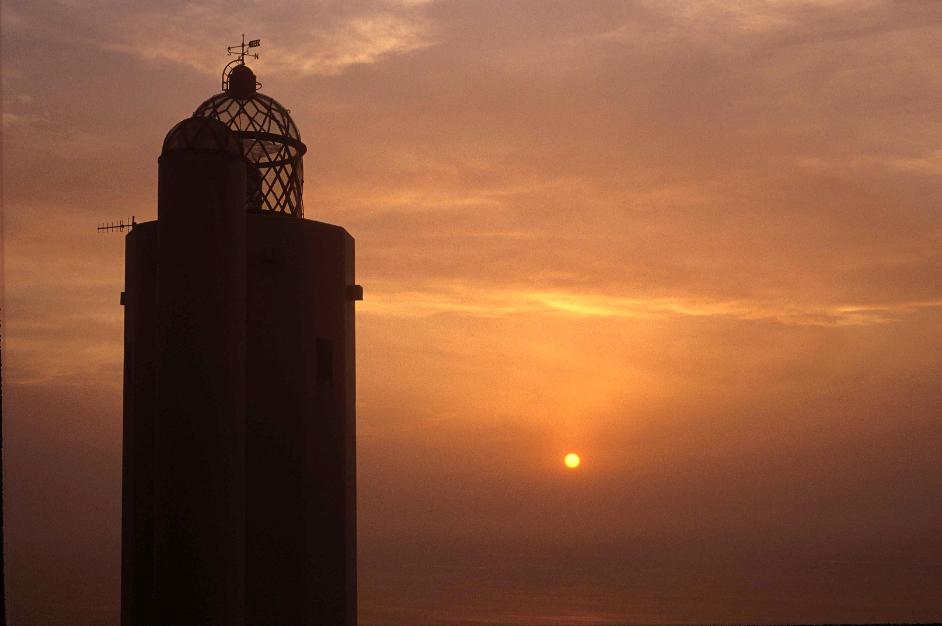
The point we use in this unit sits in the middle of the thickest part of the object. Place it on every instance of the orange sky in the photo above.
(700, 243)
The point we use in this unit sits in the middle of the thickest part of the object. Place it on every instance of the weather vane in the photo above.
(242, 49)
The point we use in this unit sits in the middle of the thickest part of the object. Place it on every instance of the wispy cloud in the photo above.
(323, 50)
(299, 38)
(11, 119)
(477, 302)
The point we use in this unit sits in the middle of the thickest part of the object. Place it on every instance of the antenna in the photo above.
(120, 225)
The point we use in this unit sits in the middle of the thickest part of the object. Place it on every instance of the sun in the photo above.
(572, 460)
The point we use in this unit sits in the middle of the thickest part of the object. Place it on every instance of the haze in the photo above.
(696, 242)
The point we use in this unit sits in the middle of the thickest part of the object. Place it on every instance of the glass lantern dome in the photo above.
(270, 141)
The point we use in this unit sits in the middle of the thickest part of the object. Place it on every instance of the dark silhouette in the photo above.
(239, 497)
(3, 584)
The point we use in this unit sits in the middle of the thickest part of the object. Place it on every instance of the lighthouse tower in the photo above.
(239, 491)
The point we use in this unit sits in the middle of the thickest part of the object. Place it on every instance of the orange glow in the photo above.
(606, 226)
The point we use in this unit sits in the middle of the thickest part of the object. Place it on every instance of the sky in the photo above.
(698, 243)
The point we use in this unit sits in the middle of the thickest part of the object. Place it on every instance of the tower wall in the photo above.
(140, 404)
(300, 455)
(239, 496)
(199, 437)
(299, 406)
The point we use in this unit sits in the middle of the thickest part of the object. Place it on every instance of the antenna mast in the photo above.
(120, 225)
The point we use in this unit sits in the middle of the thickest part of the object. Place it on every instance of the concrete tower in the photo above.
(239, 496)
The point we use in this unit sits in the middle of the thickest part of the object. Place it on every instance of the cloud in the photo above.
(500, 302)
(298, 38)
(929, 164)
(359, 41)
(11, 119)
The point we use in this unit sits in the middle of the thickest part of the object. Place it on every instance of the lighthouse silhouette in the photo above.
(239, 490)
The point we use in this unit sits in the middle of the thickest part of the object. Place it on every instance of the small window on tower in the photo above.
(325, 359)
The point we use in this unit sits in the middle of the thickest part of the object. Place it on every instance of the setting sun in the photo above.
(572, 460)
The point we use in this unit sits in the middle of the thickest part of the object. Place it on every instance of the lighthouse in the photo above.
(239, 463)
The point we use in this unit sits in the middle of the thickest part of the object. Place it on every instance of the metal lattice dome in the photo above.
(270, 141)
(202, 134)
